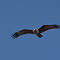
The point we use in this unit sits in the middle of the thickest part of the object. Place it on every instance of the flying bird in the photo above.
(35, 31)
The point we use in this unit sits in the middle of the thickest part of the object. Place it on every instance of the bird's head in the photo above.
(35, 31)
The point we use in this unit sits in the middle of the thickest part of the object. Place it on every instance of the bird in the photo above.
(35, 31)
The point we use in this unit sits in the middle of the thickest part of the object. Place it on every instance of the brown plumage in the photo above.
(35, 31)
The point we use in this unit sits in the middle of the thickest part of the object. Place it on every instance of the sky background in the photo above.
(16, 15)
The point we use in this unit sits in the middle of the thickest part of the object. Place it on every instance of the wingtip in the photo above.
(58, 26)
(14, 35)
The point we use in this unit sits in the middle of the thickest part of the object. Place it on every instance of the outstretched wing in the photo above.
(47, 27)
(19, 33)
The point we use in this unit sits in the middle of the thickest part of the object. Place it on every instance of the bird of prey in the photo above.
(35, 31)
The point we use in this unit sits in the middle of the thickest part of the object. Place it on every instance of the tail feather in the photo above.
(39, 35)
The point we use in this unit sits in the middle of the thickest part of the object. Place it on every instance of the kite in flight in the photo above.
(35, 31)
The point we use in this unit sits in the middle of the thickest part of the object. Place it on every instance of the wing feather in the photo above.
(48, 27)
(22, 32)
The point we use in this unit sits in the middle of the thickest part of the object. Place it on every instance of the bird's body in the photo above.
(35, 31)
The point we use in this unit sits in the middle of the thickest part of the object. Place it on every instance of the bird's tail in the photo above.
(39, 35)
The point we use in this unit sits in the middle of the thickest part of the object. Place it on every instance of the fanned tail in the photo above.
(39, 35)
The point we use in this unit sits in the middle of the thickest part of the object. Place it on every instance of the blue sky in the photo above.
(16, 15)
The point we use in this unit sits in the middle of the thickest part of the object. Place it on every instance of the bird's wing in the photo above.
(19, 33)
(47, 27)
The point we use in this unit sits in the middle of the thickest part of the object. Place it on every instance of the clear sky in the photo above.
(16, 15)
